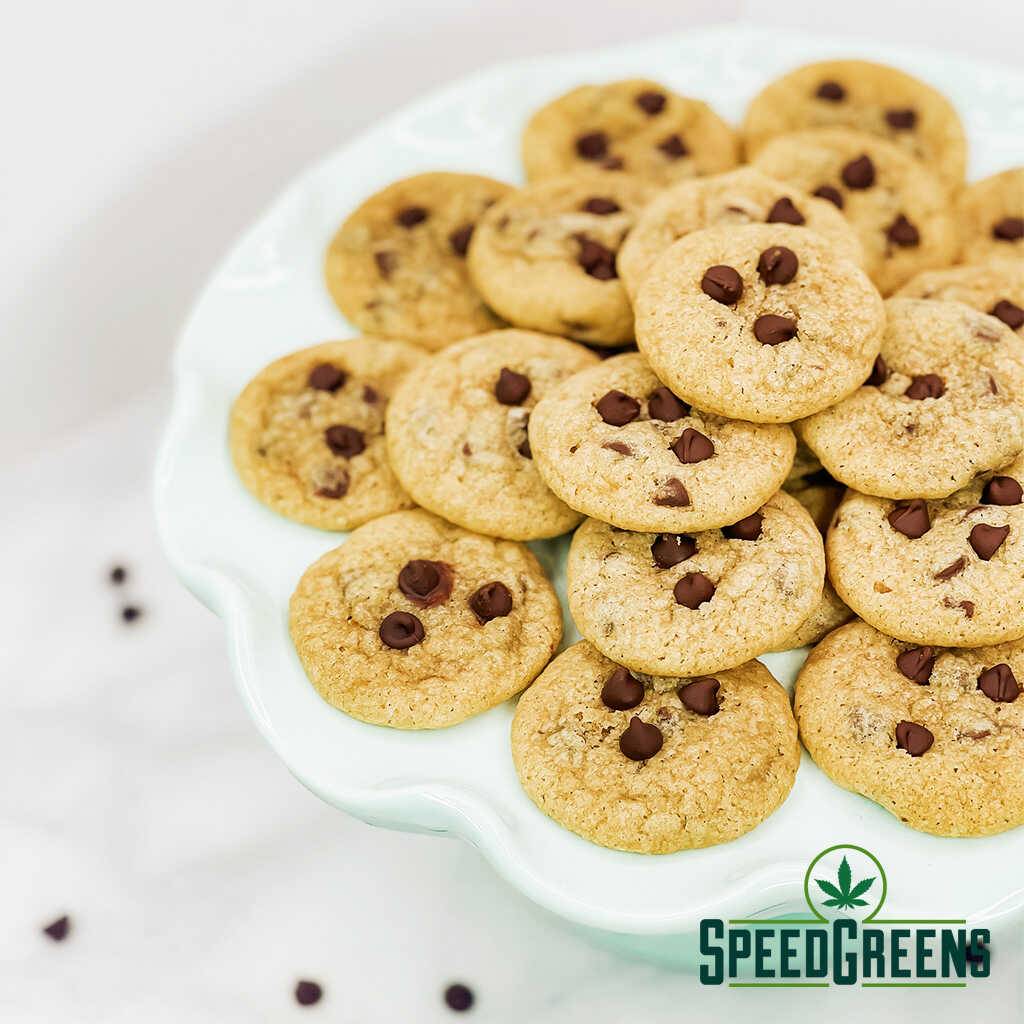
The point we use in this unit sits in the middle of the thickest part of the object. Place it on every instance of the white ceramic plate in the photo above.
(268, 298)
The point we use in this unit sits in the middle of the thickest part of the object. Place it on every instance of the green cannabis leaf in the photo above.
(843, 896)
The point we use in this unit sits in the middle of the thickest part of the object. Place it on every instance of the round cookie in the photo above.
(935, 736)
(763, 322)
(616, 444)
(991, 215)
(674, 604)
(996, 288)
(872, 98)
(397, 266)
(942, 404)
(417, 624)
(307, 432)
(948, 571)
(743, 196)
(718, 755)
(898, 207)
(457, 433)
(636, 125)
(545, 257)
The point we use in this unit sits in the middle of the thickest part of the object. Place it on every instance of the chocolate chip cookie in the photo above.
(457, 433)
(680, 604)
(942, 403)
(654, 764)
(743, 196)
(899, 208)
(616, 444)
(636, 125)
(545, 257)
(397, 266)
(934, 735)
(996, 287)
(765, 322)
(991, 215)
(417, 624)
(868, 97)
(307, 433)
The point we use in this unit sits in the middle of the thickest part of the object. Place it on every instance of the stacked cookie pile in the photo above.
(821, 420)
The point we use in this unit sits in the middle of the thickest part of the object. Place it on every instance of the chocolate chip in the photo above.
(621, 691)
(410, 216)
(670, 549)
(693, 590)
(58, 930)
(859, 173)
(401, 630)
(344, 440)
(118, 574)
(879, 373)
(458, 998)
(618, 446)
(335, 485)
(1002, 490)
(613, 163)
(460, 238)
(700, 696)
(524, 448)
(723, 284)
(651, 102)
(491, 601)
(1010, 313)
(640, 740)
(833, 195)
(772, 329)
(673, 147)
(308, 993)
(592, 146)
(131, 613)
(748, 528)
(902, 119)
(913, 738)
(911, 518)
(601, 205)
(987, 540)
(386, 262)
(831, 91)
(617, 408)
(951, 570)
(326, 377)
(692, 446)
(998, 683)
(902, 232)
(1009, 229)
(425, 583)
(917, 663)
(672, 495)
(968, 608)
(928, 385)
(370, 395)
(596, 259)
(663, 405)
(777, 265)
(784, 212)
(511, 388)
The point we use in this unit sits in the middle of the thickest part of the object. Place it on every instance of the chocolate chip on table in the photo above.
(1002, 490)
(640, 741)
(511, 388)
(913, 738)
(669, 549)
(459, 997)
(308, 993)
(784, 211)
(692, 446)
(911, 518)
(693, 590)
(118, 573)
(326, 377)
(987, 540)
(673, 147)
(651, 102)
(460, 238)
(344, 440)
(833, 195)
(831, 91)
(410, 216)
(777, 265)
(425, 583)
(592, 146)
(723, 284)
(859, 173)
(917, 663)
(902, 232)
(601, 205)
(772, 329)
(386, 262)
(672, 494)
(951, 570)
(902, 119)
(879, 373)
(998, 683)
(617, 408)
(701, 696)
(621, 691)
(1010, 313)
(131, 613)
(748, 528)
(491, 601)
(1009, 229)
(401, 630)
(58, 930)
(927, 385)
(596, 259)
(663, 405)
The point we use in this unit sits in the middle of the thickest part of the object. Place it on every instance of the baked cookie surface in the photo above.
(933, 735)
(996, 288)
(763, 322)
(991, 215)
(680, 604)
(654, 765)
(616, 444)
(457, 433)
(397, 266)
(307, 432)
(416, 624)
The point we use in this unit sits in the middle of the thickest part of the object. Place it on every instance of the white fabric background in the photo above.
(135, 794)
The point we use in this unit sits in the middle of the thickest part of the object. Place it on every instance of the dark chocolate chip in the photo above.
(987, 540)
(344, 440)
(118, 574)
(326, 377)
(748, 528)
(968, 608)
(670, 549)
(596, 259)
(693, 590)
(700, 696)
(902, 232)
(410, 216)
(308, 993)
(785, 212)
(592, 146)
(1009, 229)
(902, 119)
(672, 495)
(336, 488)
(618, 446)
(58, 930)
(621, 691)
(458, 998)
(998, 683)
(673, 146)
(651, 102)
(460, 238)
(640, 740)
(617, 408)
(723, 284)
(511, 388)
(692, 446)
(777, 265)
(927, 385)
(491, 601)
(911, 518)
(831, 91)
(951, 570)
(401, 630)
(665, 406)
(859, 173)
(913, 738)
(131, 613)
(370, 395)
(386, 261)
(772, 329)
(601, 205)
(425, 583)
(1002, 490)
(879, 373)
(832, 194)
(1010, 313)
(917, 663)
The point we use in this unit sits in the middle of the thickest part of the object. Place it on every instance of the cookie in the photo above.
(616, 444)
(636, 125)
(397, 266)
(872, 98)
(545, 257)
(743, 196)
(680, 604)
(942, 403)
(933, 735)
(898, 207)
(457, 433)
(654, 765)
(307, 433)
(417, 624)
(996, 288)
(764, 322)
(991, 215)
(948, 571)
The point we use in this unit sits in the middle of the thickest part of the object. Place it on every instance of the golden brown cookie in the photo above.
(996, 287)
(991, 215)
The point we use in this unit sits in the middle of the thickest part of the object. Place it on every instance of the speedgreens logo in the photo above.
(845, 941)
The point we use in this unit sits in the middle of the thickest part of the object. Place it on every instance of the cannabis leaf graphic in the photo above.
(844, 897)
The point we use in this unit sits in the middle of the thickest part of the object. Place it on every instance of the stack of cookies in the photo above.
(768, 398)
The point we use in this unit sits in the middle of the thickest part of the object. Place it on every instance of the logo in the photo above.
(846, 940)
